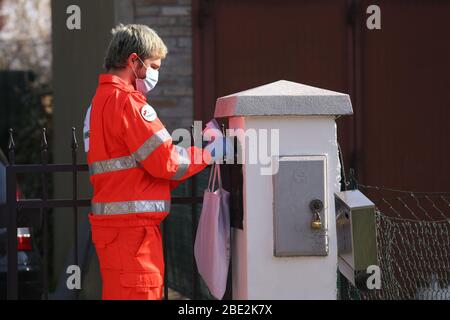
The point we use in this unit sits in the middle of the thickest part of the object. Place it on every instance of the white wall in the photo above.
(257, 274)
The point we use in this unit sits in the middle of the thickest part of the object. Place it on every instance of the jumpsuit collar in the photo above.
(107, 78)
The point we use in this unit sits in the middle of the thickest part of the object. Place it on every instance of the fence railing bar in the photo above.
(11, 189)
(49, 168)
(67, 203)
(74, 146)
(166, 264)
(52, 203)
(187, 200)
(193, 233)
(44, 158)
(194, 224)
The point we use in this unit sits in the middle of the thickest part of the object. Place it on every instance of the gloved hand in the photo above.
(220, 147)
(211, 129)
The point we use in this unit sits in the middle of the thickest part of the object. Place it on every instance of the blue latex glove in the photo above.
(219, 147)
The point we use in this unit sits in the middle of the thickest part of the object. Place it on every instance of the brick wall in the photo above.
(173, 96)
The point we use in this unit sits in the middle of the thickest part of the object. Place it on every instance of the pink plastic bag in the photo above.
(212, 241)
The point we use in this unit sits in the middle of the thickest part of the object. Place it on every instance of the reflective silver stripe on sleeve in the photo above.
(183, 163)
(138, 206)
(111, 165)
(151, 144)
(87, 128)
(128, 162)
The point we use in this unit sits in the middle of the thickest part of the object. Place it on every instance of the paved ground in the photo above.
(174, 295)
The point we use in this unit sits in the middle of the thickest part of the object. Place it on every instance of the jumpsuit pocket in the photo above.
(142, 285)
(105, 243)
(144, 247)
(149, 253)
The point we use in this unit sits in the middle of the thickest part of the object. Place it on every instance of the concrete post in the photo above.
(278, 255)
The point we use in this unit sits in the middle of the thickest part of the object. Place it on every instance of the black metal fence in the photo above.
(13, 211)
(13, 215)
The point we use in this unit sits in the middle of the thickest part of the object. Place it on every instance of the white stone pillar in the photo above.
(302, 263)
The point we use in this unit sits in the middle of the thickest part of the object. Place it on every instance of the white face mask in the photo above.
(150, 81)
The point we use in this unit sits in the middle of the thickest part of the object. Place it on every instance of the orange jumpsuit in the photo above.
(133, 167)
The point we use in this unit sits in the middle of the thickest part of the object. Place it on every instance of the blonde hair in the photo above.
(130, 38)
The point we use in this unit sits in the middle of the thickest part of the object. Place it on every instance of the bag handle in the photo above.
(211, 170)
(219, 177)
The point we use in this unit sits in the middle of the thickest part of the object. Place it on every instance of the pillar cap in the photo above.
(283, 98)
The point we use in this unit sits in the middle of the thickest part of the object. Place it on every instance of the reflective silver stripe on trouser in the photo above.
(128, 162)
(138, 206)
(183, 163)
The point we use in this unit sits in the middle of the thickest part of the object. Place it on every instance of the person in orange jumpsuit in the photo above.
(133, 167)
